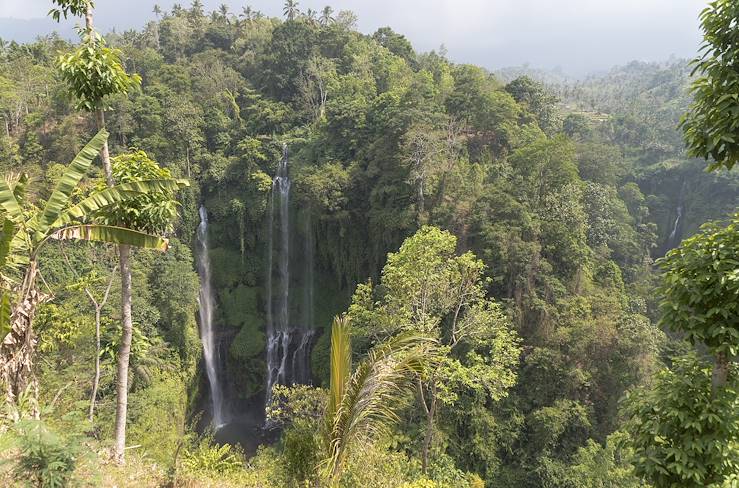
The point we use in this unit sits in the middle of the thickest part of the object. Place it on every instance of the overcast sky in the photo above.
(577, 35)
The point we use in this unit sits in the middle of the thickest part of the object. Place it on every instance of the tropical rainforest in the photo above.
(277, 252)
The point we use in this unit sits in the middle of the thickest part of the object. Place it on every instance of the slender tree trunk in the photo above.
(98, 311)
(429, 436)
(124, 354)
(104, 154)
(720, 373)
(187, 159)
(96, 378)
(88, 17)
(430, 411)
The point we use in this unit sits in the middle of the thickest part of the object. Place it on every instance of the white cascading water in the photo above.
(671, 240)
(288, 347)
(207, 333)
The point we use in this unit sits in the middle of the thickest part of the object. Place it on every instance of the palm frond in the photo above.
(371, 396)
(341, 362)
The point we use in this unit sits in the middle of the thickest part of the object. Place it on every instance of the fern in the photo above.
(207, 457)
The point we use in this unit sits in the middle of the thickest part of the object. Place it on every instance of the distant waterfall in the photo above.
(673, 235)
(207, 332)
(288, 345)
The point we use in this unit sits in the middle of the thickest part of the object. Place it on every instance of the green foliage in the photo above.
(597, 466)
(681, 434)
(712, 121)
(209, 458)
(301, 448)
(75, 7)
(701, 285)
(150, 212)
(94, 72)
(45, 460)
(297, 403)
(156, 413)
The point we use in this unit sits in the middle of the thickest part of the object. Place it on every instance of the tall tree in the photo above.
(711, 123)
(427, 289)
(157, 13)
(153, 213)
(94, 73)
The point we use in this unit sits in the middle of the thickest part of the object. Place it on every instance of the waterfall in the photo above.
(671, 239)
(207, 332)
(288, 345)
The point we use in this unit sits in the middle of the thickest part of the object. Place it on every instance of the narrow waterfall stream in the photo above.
(207, 332)
(671, 240)
(288, 343)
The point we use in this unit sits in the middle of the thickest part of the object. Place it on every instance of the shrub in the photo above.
(300, 449)
(209, 458)
(45, 460)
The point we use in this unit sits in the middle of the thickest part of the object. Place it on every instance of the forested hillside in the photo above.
(513, 223)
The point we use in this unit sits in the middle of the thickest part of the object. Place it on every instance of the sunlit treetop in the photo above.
(77, 8)
(94, 72)
(711, 125)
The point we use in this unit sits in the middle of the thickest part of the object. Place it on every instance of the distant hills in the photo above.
(27, 30)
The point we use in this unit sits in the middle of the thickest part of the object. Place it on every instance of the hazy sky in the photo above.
(577, 35)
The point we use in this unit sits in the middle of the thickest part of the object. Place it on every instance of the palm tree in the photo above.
(291, 9)
(362, 405)
(310, 14)
(27, 229)
(223, 10)
(326, 17)
(247, 13)
(157, 12)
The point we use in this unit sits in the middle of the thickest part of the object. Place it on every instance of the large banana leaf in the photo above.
(9, 203)
(76, 170)
(111, 234)
(4, 314)
(5, 240)
(117, 194)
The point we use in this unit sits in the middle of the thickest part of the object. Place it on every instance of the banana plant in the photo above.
(27, 228)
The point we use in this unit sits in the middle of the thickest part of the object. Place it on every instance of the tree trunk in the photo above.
(96, 378)
(429, 436)
(98, 311)
(720, 373)
(124, 354)
(104, 154)
(430, 411)
(187, 159)
(88, 17)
